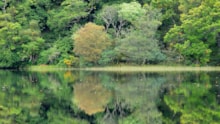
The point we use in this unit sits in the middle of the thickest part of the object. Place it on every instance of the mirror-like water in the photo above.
(109, 98)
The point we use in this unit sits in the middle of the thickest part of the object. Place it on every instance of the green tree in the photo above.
(10, 39)
(108, 56)
(186, 5)
(199, 29)
(20, 32)
(90, 41)
(68, 13)
(170, 14)
(131, 12)
(33, 42)
(120, 16)
(141, 44)
(109, 14)
(49, 56)
(114, 24)
(62, 19)
(137, 47)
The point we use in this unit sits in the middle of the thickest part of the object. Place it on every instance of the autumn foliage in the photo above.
(90, 41)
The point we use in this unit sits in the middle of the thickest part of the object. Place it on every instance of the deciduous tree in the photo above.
(141, 44)
(10, 39)
(90, 41)
(197, 36)
(33, 42)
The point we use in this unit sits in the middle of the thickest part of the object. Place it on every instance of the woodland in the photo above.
(77, 33)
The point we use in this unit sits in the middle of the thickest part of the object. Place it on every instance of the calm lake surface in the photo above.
(80, 97)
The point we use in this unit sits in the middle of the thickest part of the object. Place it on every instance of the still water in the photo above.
(74, 97)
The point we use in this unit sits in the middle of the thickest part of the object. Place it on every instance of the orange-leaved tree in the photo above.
(90, 41)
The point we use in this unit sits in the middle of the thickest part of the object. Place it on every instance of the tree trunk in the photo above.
(4, 7)
(144, 61)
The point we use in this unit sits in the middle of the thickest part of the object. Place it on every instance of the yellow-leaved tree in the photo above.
(90, 41)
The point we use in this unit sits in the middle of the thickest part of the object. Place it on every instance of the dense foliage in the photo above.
(142, 32)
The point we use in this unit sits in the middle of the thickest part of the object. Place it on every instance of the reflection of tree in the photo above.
(56, 107)
(36, 98)
(91, 96)
(215, 80)
(141, 94)
(20, 98)
(194, 101)
(58, 116)
(135, 99)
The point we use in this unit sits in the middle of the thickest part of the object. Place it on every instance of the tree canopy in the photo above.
(196, 37)
(40, 32)
(90, 41)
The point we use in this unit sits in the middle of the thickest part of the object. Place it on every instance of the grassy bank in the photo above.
(44, 68)
(125, 68)
(151, 68)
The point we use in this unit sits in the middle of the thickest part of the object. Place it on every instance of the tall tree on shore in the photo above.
(9, 41)
(90, 41)
(10, 38)
(196, 37)
(140, 44)
(33, 42)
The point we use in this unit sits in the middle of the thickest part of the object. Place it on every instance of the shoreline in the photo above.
(126, 68)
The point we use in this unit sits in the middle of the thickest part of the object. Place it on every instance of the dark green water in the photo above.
(109, 98)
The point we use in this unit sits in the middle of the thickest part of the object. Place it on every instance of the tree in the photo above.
(137, 47)
(140, 44)
(90, 41)
(33, 42)
(117, 16)
(110, 16)
(170, 14)
(20, 34)
(10, 39)
(131, 12)
(68, 13)
(199, 29)
(186, 5)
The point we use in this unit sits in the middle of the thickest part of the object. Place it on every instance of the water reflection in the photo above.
(194, 101)
(140, 95)
(91, 96)
(109, 98)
